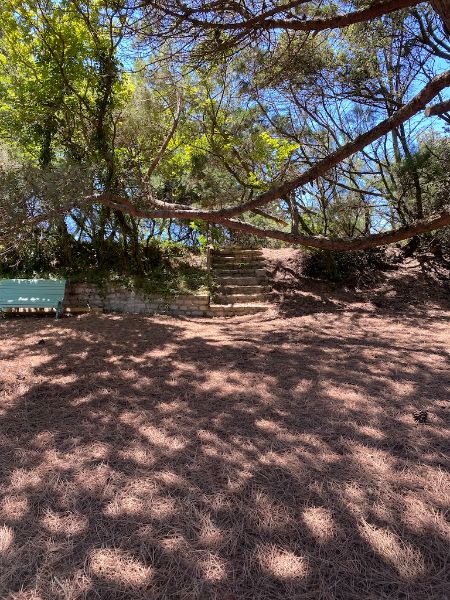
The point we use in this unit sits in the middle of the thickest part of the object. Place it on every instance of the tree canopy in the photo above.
(323, 124)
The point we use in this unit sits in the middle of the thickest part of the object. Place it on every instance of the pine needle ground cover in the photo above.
(156, 458)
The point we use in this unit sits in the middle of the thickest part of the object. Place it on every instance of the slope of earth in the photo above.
(414, 286)
(270, 458)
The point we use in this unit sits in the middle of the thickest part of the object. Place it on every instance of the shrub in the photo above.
(164, 267)
(360, 266)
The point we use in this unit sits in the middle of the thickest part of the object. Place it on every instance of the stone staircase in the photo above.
(240, 282)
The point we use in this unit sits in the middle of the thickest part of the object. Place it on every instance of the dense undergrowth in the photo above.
(172, 268)
(347, 267)
(366, 266)
(159, 267)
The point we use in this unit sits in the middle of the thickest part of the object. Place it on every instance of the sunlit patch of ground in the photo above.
(250, 458)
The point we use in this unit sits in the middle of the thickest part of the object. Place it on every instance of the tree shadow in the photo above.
(169, 458)
(414, 287)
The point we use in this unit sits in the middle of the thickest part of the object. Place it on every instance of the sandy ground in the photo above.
(272, 457)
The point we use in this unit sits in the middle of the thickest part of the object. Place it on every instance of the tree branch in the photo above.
(265, 22)
(442, 7)
(418, 103)
(436, 221)
(155, 162)
(266, 215)
(438, 109)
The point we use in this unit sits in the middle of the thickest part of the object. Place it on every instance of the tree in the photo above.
(223, 151)
(224, 27)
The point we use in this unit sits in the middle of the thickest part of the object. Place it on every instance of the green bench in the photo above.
(32, 293)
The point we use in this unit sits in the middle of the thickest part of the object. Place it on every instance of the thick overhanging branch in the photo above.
(224, 216)
(414, 106)
(436, 221)
(431, 223)
(182, 11)
(377, 9)
(265, 21)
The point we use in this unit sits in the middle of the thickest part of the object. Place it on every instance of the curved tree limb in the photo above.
(418, 103)
(431, 223)
(438, 109)
(223, 216)
(436, 221)
(264, 21)
(250, 20)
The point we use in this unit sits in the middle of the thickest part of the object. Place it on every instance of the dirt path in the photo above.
(273, 458)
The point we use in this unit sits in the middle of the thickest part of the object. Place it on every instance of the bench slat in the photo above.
(31, 293)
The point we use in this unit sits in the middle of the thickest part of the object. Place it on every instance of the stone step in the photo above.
(233, 310)
(228, 271)
(244, 289)
(237, 257)
(236, 264)
(220, 270)
(231, 252)
(241, 281)
(238, 267)
(238, 298)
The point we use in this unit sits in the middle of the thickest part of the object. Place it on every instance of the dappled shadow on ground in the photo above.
(157, 458)
(413, 286)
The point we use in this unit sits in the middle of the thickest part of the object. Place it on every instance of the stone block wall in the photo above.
(112, 298)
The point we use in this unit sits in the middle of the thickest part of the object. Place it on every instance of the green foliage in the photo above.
(168, 268)
(80, 117)
(431, 162)
(53, 58)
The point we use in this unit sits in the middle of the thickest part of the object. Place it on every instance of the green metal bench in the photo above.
(32, 293)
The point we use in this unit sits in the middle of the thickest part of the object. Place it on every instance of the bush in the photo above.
(350, 267)
(164, 267)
